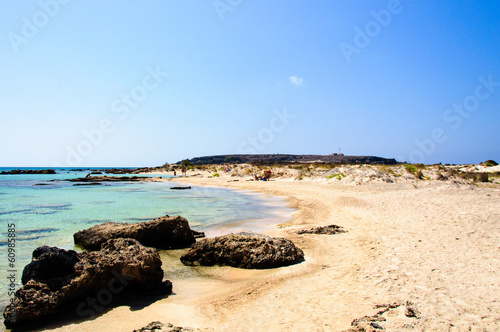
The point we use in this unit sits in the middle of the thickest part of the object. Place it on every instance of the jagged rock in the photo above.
(370, 323)
(329, 230)
(162, 233)
(50, 266)
(386, 307)
(411, 310)
(367, 320)
(198, 235)
(160, 327)
(89, 284)
(355, 329)
(377, 326)
(250, 251)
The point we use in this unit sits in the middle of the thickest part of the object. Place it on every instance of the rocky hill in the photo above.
(290, 158)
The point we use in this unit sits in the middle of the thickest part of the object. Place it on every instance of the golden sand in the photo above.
(433, 243)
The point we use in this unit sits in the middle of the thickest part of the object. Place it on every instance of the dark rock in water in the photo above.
(121, 265)
(88, 184)
(160, 327)
(126, 170)
(249, 251)
(162, 233)
(110, 179)
(95, 173)
(329, 230)
(180, 188)
(30, 171)
(198, 235)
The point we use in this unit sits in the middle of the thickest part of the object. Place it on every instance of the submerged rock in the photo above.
(162, 233)
(245, 250)
(58, 279)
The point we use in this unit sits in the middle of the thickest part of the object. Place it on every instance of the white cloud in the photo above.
(295, 80)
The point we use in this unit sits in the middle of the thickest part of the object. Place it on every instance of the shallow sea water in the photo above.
(47, 212)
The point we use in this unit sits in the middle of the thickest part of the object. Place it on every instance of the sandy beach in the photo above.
(433, 246)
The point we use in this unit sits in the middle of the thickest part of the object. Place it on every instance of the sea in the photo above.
(43, 209)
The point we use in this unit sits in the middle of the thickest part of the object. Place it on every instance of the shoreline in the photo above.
(434, 245)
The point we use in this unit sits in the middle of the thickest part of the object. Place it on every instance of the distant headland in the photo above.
(335, 158)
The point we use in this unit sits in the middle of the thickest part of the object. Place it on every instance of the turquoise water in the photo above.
(47, 212)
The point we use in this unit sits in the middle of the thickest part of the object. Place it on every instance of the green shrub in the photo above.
(215, 175)
(338, 176)
(386, 169)
(489, 163)
(411, 169)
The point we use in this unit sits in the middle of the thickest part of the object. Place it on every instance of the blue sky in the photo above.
(141, 83)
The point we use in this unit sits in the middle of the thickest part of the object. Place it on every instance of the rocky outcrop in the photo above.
(376, 322)
(50, 265)
(160, 327)
(162, 233)
(245, 250)
(328, 230)
(59, 279)
(29, 171)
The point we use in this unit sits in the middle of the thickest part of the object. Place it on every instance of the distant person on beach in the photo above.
(184, 171)
(175, 173)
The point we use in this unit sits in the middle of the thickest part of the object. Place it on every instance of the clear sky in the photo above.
(141, 83)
